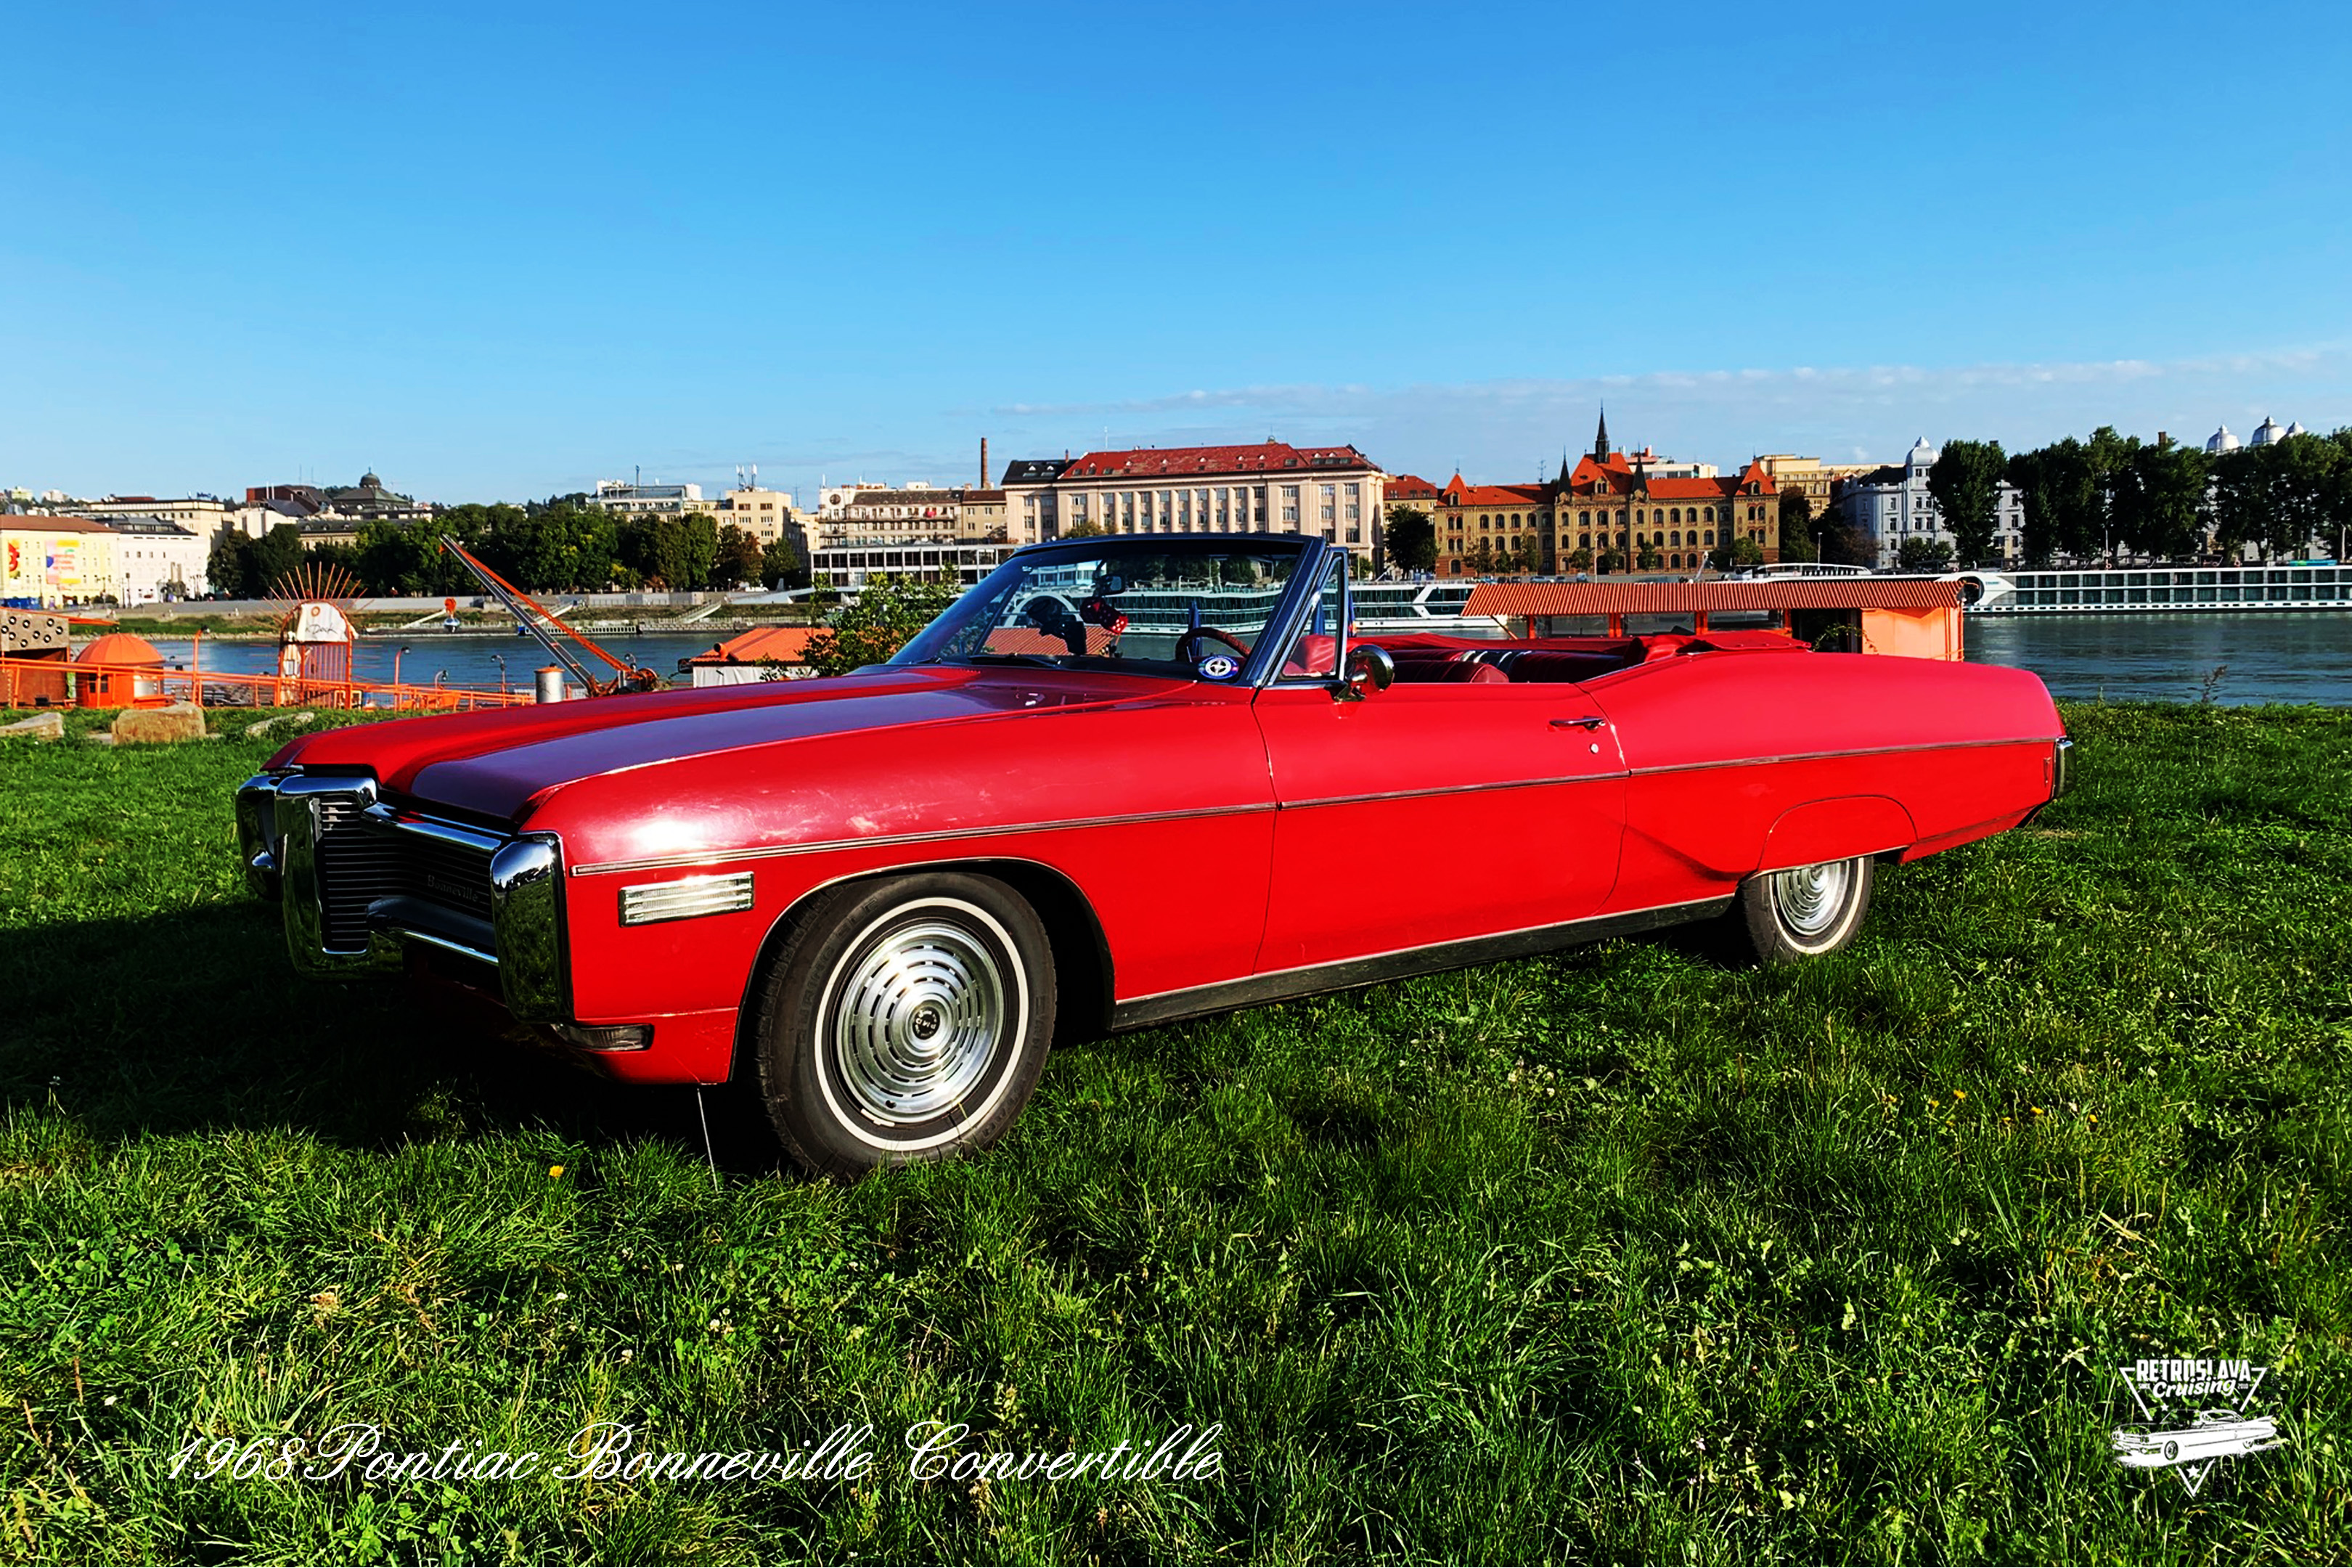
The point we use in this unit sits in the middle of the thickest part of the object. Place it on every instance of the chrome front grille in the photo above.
(363, 882)
(364, 858)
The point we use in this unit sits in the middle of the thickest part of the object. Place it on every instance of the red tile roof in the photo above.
(1411, 486)
(1616, 478)
(1460, 494)
(1184, 462)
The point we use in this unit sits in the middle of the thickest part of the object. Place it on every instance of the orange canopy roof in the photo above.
(761, 644)
(1683, 598)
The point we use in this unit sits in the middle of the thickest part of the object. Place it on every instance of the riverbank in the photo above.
(1611, 1255)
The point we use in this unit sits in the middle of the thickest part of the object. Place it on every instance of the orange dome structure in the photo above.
(117, 673)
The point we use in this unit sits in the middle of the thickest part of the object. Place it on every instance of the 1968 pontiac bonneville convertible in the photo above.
(1122, 781)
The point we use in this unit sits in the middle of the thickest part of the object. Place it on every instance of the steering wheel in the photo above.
(1184, 641)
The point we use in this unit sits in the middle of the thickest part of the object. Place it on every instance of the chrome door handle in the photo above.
(1590, 721)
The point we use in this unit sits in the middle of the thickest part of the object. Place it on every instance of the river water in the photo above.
(2264, 657)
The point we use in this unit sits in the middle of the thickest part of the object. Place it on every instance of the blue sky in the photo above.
(498, 252)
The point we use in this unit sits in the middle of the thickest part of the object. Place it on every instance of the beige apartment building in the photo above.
(766, 515)
(1333, 492)
(1810, 477)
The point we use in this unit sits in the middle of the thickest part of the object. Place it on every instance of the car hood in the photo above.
(498, 764)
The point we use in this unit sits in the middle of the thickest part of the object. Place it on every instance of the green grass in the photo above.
(1613, 1254)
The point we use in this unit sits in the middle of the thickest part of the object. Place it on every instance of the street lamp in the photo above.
(501, 660)
(395, 662)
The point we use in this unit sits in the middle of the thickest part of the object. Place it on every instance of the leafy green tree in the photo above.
(1411, 539)
(275, 554)
(1482, 560)
(780, 566)
(1581, 561)
(1966, 483)
(1796, 541)
(225, 563)
(739, 557)
(1651, 559)
(1086, 528)
(1739, 553)
(2242, 504)
(334, 557)
(2310, 489)
(2158, 503)
(1921, 553)
(888, 612)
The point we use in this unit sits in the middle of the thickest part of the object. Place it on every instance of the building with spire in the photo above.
(1611, 510)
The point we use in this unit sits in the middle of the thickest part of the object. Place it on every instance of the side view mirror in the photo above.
(1370, 669)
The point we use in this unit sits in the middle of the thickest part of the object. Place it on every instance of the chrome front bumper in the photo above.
(282, 822)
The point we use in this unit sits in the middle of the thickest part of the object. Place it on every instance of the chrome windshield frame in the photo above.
(1313, 555)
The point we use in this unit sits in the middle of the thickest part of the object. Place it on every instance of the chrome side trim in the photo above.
(2062, 767)
(1283, 984)
(892, 840)
(258, 847)
(527, 922)
(1826, 756)
(298, 820)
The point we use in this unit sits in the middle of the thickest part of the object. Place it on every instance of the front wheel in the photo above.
(1804, 912)
(903, 1020)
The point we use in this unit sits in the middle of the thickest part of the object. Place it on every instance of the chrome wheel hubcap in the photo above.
(917, 1019)
(1812, 899)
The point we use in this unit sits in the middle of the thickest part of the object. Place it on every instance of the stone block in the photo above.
(40, 726)
(143, 726)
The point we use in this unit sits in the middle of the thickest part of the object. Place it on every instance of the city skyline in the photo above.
(558, 246)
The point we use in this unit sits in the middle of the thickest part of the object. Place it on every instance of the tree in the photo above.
(1922, 554)
(1651, 559)
(1740, 553)
(739, 559)
(225, 563)
(780, 567)
(1966, 483)
(1834, 541)
(888, 612)
(1411, 539)
(406, 558)
(1084, 528)
(1581, 561)
(2310, 488)
(1796, 541)
(1482, 561)
(2240, 506)
(2159, 500)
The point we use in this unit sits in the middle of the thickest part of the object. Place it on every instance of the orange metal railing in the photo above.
(60, 683)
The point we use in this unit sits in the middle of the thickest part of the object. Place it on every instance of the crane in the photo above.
(529, 613)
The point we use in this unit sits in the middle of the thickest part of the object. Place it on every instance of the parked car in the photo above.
(1122, 781)
(2213, 1435)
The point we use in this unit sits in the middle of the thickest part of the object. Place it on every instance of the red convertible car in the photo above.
(1122, 781)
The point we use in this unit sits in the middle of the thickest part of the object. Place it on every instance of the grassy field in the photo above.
(1615, 1255)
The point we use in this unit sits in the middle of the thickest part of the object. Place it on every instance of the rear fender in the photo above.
(1839, 829)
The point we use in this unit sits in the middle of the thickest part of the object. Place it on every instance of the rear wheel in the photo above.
(1803, 911)
(904, 1020)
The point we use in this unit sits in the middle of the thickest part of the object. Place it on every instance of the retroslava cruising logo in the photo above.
(2195, 1414)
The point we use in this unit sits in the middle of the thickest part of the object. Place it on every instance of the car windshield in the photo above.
(1156, 606)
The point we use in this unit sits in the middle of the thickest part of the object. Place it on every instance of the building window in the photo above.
(1290, 504)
